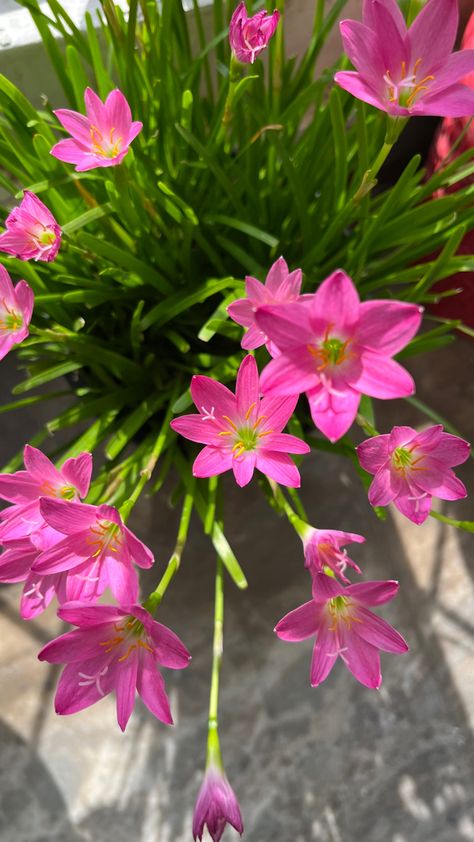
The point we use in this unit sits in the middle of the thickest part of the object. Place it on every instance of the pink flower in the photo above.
(16, 308)
(114, 648)
(249, 36)
(411, 468)
(101, 139)
(98, 548)
(336, 349)
(16, 564)
(39, 479)
(322, 548)
(408, 71)
(32, 231)
(345, 628)
(216, 806)
(241, 431)
(280, 286)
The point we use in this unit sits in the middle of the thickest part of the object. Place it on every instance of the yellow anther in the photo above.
(225, 433)
(230, 422)
(128, 652)
(247, 414)
(259, 421)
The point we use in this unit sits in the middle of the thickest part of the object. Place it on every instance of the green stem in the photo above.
(369, 179)
(213, 748)
(300, 526)
(235, 75)
(153, 601)
(466, 525)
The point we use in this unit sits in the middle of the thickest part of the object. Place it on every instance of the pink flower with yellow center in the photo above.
(336, 349)
(241, 432)
(32, 231)
(248, 36)
(100, 139)
(411, 468)
(344, 628)
(408, 71)
(16, 308)
(99, 551)
(114, 648)
(322, 548)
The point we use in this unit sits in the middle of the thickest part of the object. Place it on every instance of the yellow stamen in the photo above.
(230, 422)
(247, 414)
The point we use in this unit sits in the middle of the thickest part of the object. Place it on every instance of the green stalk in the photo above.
(300, 526)
(235, 75)
(213, 747)
(369, 179)
(466, 525)
(153, 601)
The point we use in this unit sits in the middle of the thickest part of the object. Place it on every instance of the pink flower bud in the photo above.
(216, 806)
(249, 36)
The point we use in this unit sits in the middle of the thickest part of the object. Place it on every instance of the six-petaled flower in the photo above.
(248, 36)
(32, 232)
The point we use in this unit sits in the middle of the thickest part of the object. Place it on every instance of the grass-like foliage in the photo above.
(155, 249)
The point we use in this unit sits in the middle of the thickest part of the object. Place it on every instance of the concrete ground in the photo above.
(336, 764)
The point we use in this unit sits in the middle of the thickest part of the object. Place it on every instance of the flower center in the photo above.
(129, 638)
(68, 492)
(330, 352)
(340, 609)
(103, 146)
(246, 437)
(407, 90)
(104, 535)
(403, 458)
(46, 237)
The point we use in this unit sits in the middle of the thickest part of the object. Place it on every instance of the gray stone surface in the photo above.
(336, 764)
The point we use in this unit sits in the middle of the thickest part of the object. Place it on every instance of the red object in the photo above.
(458, 306)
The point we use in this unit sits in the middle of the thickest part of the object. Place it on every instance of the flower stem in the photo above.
(213, 748)
(369, 179)
(153, 601)
(300, 526)
(235, 75)
(466, 525)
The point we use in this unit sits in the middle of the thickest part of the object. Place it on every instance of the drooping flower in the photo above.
(280, 286)
(16, 308)
(336, 349)
(216, 806)
(40, 478)
(411, 468)
(32, 231)
(248, 36)
(114, 648)
(16, 564)
(345, 628)
(98, 549)
(322, 548)
(408, 71)
(100, 139)
(241, 431)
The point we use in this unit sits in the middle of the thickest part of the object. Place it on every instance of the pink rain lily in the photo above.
(241, 431)
(216, 806)
(249, 36)
(322, 548)
(40, 478)
(345, 628)
(336, 349)
(16, 562)
(411, 468)
(408, 71)
(280, 286)
(32, 231)
(99, 550)
(102, 138)
(16, 308)
(114, 648)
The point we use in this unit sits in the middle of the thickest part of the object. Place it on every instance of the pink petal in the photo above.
(38, 593)
(373, 593)
(40, 467)
(455, 101)
(117, 114)
(19, 487)
(336, 301)
(241, 311)
(325, 652)
(385, 486)
(19, 244)
(392, 8)
(452, 450)
(77, 645)
(277, 412)
(288, 325)
(6, 287)
(95, 109)
(256, 291)
(67, 517)
(300, 623)
(71, 152)
(285, 443)
(454, 69)
(247, 388)
(290, 374)
(25, 298)
(276, 275)
(15, 563)
(401, 436)
(125, 689)
(253, 338)
(361, 659)
(326, 587)
(392, 44)
(387, 326)
(382, 377)
(212, 461)
(333, 414)
(151, 688)
(243, 468)
(279, 467)
(122, 579)
(440, 481)
(76, 692)
(196, 428)
(378, 632)
(414, 508)
(373, 453)
(7, 343)
(169, 650)
(139, 552)
(362, 47)
(207, 394)
(85, 615)
(432, 34)
(76, 124)
(67, 554)
(356, 85)
(78, 472)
